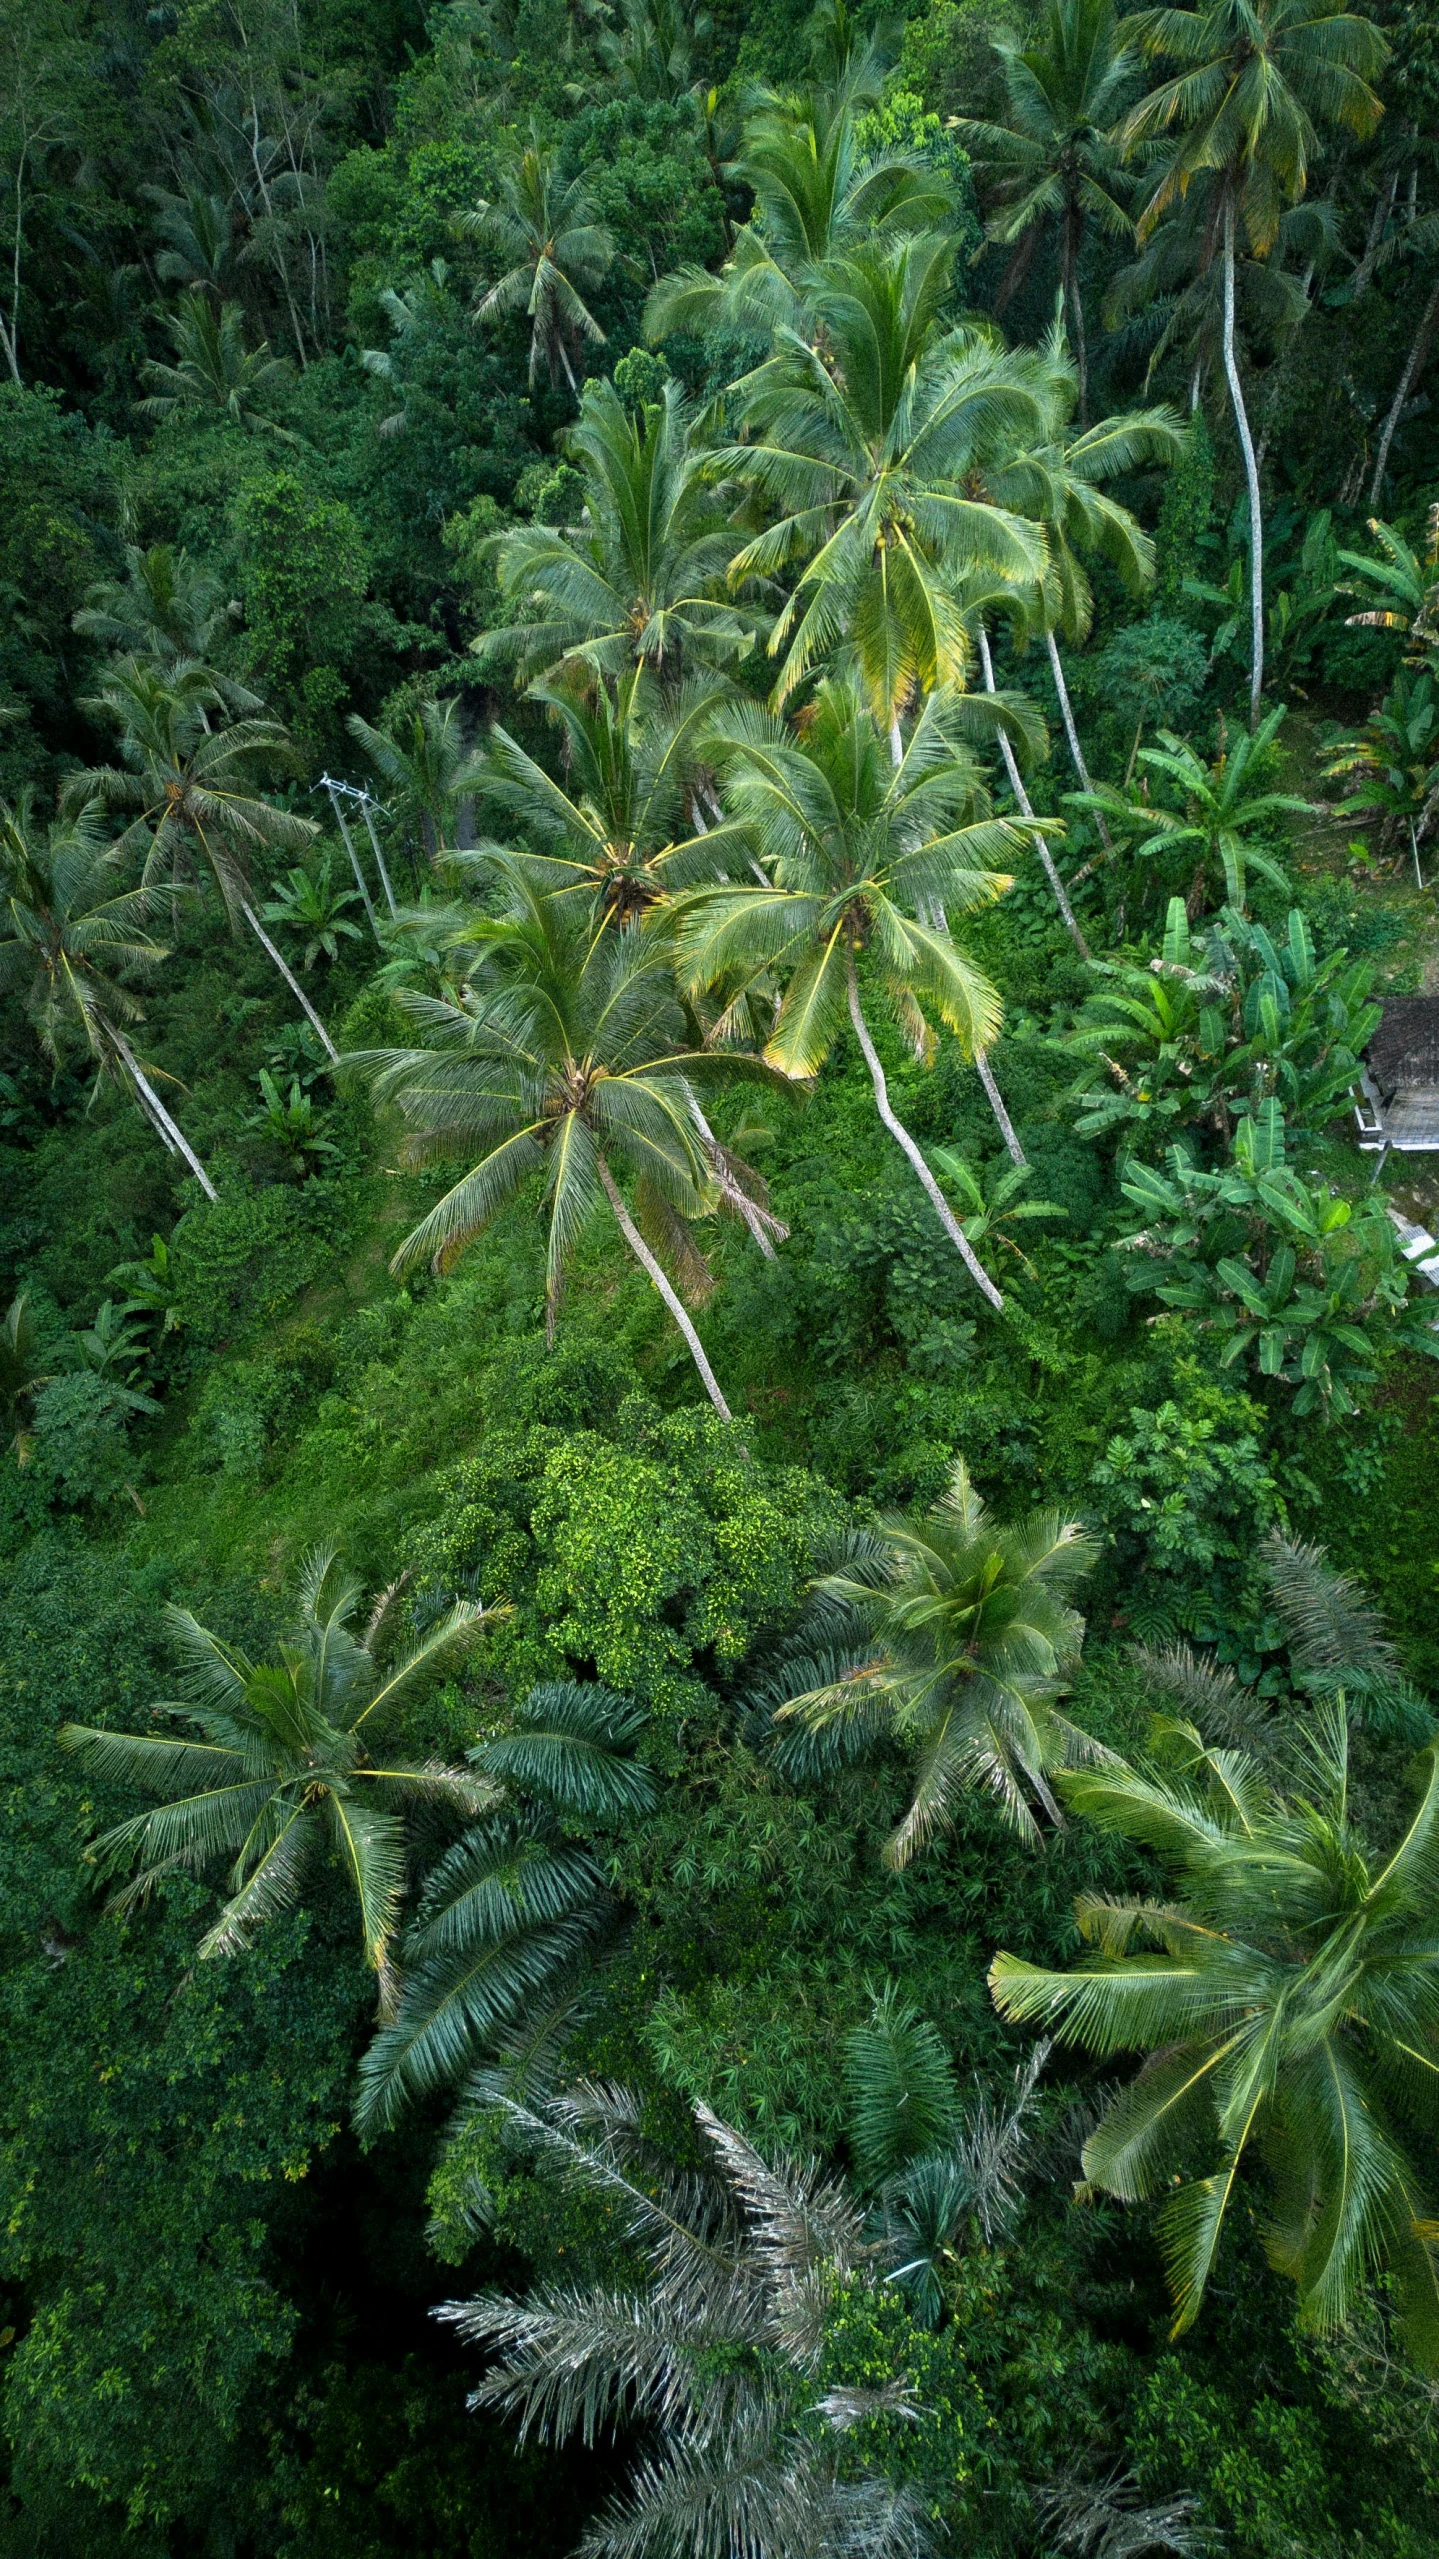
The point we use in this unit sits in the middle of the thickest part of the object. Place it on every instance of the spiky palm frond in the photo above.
(573, 1747)
(715, 2348)
(899, 2082)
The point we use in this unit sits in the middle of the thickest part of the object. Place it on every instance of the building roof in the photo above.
(1404, 1051)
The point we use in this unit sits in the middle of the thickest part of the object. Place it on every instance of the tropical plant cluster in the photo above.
(718, 738)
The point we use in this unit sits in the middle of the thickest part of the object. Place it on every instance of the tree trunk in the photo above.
(1016, 784)
(379, 857)
(1407, 379)
(902, 1139)
(656, 1276)
(1072, 297)
(996, 1103)
(1076, 751)
(360, 881)
(759, 1221)
(293, 983)
(169, 1129)
(1251, 474)
(896, 742)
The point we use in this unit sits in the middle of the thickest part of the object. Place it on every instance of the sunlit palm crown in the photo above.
(643, 579)
(284, 1771)
(857, 850)
(862, 433)
(1291, 2002)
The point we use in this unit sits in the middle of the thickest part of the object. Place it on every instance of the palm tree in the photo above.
(561, 1057)
(70, 937)
(1288, 2009)
(198, 231)
(818, 195)
(654, 54)
(513, 1918)
(1253, 77)
(863, 434)
(192, 788)
(554, 252)
(309, 902)
(426, 767)
(1405, 588)
(715, 2347)
(852, 842)
(281, 1774)
(956, 1636)
(166, 609)
(641, 581)
(623, 830)
(215, 373)
(1054, 164)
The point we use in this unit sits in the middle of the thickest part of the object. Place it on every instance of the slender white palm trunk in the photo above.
(657, 1278)
(1251, 475)
(1417, 353)
(908, 1145)
(1016, 784)
(996, 1103)
(168, 1128)
(761, 1222)
(293, 983)
(1076, 751)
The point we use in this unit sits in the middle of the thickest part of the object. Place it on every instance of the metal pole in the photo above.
(325, 784)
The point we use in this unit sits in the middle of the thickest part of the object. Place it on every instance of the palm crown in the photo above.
(555, 252)
(956, 1635)
(281, 1773)
(1288, 2006)
(865, 443)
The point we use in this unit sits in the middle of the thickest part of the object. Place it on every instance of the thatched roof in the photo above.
(1404, 1051)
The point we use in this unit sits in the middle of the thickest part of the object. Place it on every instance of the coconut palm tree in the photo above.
(71, 936)
(215, 373)
(1284, 1991)
(1054, 166)
(192, 787)
(1253, 78)
(862, 433)
(857, 849)
(282, 1771)
(818, 194)
(562, 1057)
(641, 579)
(166, 609)
(956, 1637)
(715, 2346)
(553, 251)
(623, 829)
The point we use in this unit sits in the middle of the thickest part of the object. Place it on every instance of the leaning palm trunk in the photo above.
(902, 1139)
(762, 1223)
(1251, 475)
(995, 1099)
(293, 983)
(1016, 784)
(168, 1129)
(1076, 751)
(656, 1275)
(1407, 379)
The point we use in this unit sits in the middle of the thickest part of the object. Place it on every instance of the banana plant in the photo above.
(1301, 1284)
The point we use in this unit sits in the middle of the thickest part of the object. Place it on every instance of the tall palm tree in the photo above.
(192, 787)
(563, 1057)
(215, 373)
(818, 194)
(862, 433)
(167, 608)
(623, 829)
(1253, 79)
(1055, 164)
(1284, 1991)
(853, 843)
(715, 2347)
(282, 1773)
(553, 251)
(641, 580)
(71, 935)
(956, 1636)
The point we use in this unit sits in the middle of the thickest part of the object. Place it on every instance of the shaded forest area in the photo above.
(718, 731)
